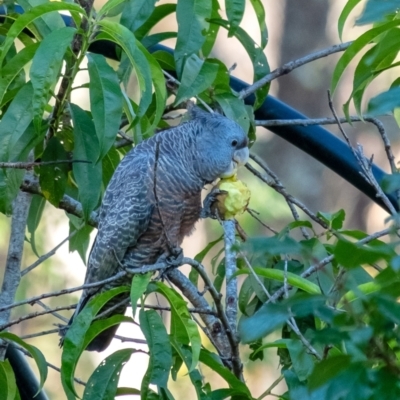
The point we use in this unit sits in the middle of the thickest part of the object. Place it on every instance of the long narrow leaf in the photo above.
(103, 383)
(45, 69)
(278, 275)
(183, 328)
(356, 47)
(87, 175)
(74, 342)
(25, 19)
(105, 101)
(34, 352)
(192, 18)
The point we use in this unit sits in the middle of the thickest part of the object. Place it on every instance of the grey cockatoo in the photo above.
(130, 231)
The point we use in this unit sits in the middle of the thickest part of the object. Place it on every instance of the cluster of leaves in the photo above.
(381, 48)
(42, 52)
(338, 322)
(347, 315)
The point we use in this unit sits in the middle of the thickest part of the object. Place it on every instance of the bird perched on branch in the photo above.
(154, 199)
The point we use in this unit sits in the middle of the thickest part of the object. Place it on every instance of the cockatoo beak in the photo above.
(240, 157)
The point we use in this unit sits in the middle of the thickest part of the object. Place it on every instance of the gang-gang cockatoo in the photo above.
(154, 199)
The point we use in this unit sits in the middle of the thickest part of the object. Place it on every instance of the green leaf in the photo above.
(53, 178)
(293, 279)
(213, 362)
(192, 18)
(212, 31)
(46, 67)
(384, 102)
(8, 385)
(328, 369)
(265, 321)
(34, 215)
(351, 255)
(110, 7)
(160, 90)
(124, 38)
(75, 340)
(28, 17)
(101, 325)
(273, 245)
(157, 339)
(13, 125)
(376, 60)
(257, 57)
(157, 15)
(36, 354)
(197, 76)
(14, 66)
(183, 328)
(348, 8)
(234, 12)
(110, 163)
(356, 47)
(10, 181)
(138, 287)
(363, 289)
(125, 391)
(390, 183)
(335, 220)
(46, 23)
(87, 176)
(196, 378)
(102, 384)
(377, 10)
(303, 363)
(260, 13)
(234, 109)
(15, 121)
(105, 101)
(136, 13)
(81, 240)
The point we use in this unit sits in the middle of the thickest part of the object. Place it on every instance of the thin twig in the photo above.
(127, 339)
(34, 315)
(42, 333)
(253, 214)
(53, 311)
(314, 268)
(363, 162)
(67, 203)
(31, 165)
(269, 390)
(291, 321)
(275, 183)
(51, 253)
(290, 66)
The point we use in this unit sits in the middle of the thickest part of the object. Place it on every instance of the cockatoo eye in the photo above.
(234, 142)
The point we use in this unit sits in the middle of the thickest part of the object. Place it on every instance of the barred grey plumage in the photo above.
(130, 229)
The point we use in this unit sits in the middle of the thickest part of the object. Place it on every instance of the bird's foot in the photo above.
(172, 259)
(208, 210)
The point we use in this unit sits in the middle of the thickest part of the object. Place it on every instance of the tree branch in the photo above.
(290, 66)
(30, 165)
(67, 203)
(12, 275)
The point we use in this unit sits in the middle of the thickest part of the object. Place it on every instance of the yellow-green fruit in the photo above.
(234, 201)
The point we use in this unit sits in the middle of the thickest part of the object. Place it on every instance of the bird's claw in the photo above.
(175, 258)
(208, 211)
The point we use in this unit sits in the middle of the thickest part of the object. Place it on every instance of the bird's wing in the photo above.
(124, 216)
